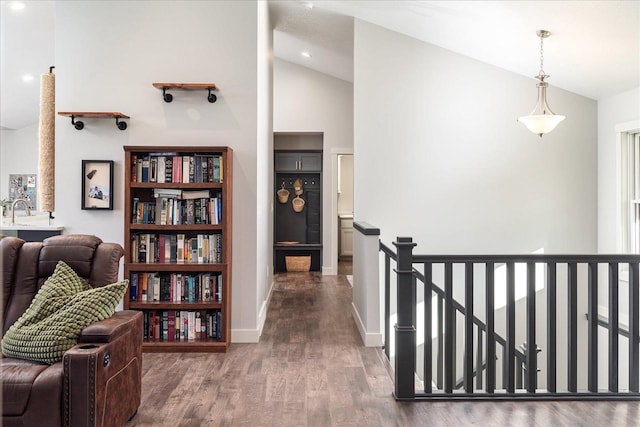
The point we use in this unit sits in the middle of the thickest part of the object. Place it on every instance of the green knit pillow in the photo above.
(62, 308)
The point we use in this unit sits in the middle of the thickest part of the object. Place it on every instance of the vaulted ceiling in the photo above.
(594, 49)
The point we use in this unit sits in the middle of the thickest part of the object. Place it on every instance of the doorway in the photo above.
(345, 213)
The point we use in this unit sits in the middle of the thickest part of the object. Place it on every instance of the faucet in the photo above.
(13, 209)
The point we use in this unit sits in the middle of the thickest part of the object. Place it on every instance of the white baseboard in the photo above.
(329, 271)
(253, 335)
(369, 339)
(262, 316)
(244, 336)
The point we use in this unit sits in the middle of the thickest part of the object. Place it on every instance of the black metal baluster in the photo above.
(511, 328)
(531, 354)
(428, 340)
(440, 356)
(551, 327)
(450, 333)
(468, 327)
(387, 306)
(592, 314)
(634, 326)
(491, 340)
(613, 327)
(572, 322)
(479, 364)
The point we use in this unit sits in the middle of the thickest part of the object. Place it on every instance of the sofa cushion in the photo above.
(19, 377)
(64, 305)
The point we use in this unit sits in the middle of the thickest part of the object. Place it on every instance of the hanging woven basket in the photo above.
(283, 194)
(297, 187)
(298, 204)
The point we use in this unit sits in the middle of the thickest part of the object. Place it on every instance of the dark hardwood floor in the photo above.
(310, 369)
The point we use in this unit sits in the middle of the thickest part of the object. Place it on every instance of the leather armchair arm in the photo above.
(102, 378)
(110, 329)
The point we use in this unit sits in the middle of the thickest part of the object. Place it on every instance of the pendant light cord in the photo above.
(541, 56)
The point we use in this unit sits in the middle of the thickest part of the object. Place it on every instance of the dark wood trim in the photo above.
(366, 228)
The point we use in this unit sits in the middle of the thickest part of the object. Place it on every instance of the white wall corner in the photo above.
(369, 339)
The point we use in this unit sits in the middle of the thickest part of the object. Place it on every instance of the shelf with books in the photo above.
(178, 244)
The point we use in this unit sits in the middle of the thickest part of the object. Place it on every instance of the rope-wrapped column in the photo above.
(47, 144)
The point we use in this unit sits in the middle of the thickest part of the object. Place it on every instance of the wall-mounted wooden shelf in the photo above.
(187, 86)
(78, 124)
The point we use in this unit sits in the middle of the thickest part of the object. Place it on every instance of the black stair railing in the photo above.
(519, 370)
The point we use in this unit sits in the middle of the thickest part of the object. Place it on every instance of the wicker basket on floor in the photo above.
(298, 263)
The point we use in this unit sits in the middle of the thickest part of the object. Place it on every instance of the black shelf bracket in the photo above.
(166, 96)
(212, 97)
(77, 124)
(121, 125)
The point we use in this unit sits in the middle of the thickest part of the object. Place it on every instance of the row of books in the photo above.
(176, 248)
(176, 287)
(177, 211)
(179, 325)
(171, 167)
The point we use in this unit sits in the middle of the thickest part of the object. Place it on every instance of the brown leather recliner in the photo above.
(98, 382)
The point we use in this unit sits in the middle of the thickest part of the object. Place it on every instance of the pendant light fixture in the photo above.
(541, 120)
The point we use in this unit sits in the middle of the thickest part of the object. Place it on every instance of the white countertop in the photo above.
(19, 227)
(26, 223)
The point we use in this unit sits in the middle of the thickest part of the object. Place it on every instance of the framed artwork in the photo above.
(23, 186)
(97, 184)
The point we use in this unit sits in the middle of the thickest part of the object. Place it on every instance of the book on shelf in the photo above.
(174, 168)
(199, 249)
(145, 169)
(195, 194)
(171, 325)
(160, 175)
(134, 168)
(176, 287)
(175, 193)
(182, 325)
(153, 169)
(168, 168)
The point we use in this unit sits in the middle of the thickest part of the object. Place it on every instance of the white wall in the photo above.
(309, 101)
(439, 155)
(108, 54)
(345, 194)
(264, 160)
(621, 108)
(612, 111)
(18, 155)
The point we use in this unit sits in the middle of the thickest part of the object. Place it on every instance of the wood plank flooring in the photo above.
(310, 369)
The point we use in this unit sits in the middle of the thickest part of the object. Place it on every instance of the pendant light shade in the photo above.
(542, 119)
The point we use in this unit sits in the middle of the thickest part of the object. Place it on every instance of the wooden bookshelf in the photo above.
(192, 283)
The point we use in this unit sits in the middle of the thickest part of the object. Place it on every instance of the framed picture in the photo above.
(23, 187)
(97, 184)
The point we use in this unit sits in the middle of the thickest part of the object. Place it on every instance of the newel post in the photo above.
(405, 328)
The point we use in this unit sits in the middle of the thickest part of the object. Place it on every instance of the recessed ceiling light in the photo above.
(306, 54)
(17, 5)
(27, 78)
(308, 5)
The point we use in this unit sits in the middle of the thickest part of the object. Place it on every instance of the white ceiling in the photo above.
(594, 49)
